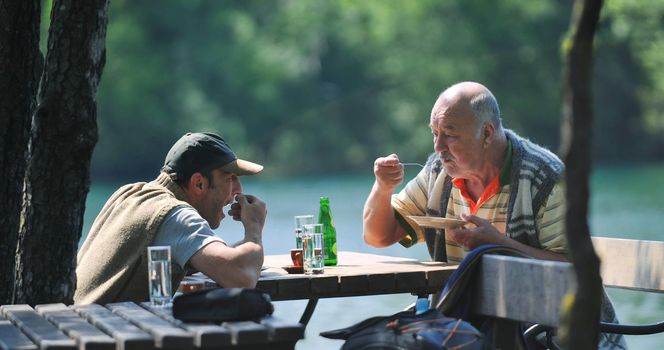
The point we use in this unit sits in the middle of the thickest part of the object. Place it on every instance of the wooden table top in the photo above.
(356, 274)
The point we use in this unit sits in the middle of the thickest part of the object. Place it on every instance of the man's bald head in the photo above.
(470, 97)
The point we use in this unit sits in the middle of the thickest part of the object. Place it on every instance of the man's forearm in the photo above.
(380, 224)
(247, 262)
(537, 253)
(230, 266)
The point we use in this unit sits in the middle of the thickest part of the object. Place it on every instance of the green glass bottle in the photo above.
(329, 232)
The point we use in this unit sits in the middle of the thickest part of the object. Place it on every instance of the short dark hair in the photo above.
(182, 182)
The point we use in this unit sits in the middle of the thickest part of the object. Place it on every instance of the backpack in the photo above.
(458, 295)
(450, 325)
(405, 330)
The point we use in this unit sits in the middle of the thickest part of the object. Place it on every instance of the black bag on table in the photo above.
(222, 304)
(406, 330)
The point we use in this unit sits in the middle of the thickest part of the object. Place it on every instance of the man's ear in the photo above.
(197, 182)
(487, 134)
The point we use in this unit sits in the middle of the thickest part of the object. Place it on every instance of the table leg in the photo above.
(308, 311)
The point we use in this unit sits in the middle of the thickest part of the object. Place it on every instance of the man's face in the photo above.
(456, 139)
(220, 192)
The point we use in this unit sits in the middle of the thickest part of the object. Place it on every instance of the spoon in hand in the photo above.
(416, 164)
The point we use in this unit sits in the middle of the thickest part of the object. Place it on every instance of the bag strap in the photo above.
(345, 333)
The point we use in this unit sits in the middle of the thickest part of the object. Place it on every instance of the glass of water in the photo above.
(312, 249)
(300, 221)
(159, 275)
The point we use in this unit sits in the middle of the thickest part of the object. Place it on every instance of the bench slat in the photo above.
(631, 264)
(166, 335)
(39, 330)
(12, 338)
(522, 289)
(206, 335)
(247, 332)
(283, 331)
(87, 336)
(126, 335)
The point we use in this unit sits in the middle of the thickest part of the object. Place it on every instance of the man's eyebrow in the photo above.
(444, 126)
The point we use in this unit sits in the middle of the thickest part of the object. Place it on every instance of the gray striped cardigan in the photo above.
(535, 171)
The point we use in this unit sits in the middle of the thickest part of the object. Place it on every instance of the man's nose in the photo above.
(237, 187)
(439, 144)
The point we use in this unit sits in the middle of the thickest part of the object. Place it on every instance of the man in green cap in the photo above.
(180, 208)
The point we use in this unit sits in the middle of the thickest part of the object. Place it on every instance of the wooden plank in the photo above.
(411, 280)
(165, 334)
(382, 283)
(437, 278)
(631, 264)
(127, 336)
(283, 331)
(12, 338)
(354, 284)
(293, 288)
(206, 335)
(357, 274)
(87, 336)
(344, 258)
(247, 333)
(522, 289)
(39, 330)
(323, 286)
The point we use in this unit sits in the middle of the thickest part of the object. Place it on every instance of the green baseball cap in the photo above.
(202, 151)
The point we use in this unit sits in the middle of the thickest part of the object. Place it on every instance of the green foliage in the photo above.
(316, 86)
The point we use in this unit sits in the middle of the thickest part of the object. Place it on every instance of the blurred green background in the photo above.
(317, 89)
(312, 87)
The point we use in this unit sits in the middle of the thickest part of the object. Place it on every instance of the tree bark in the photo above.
(63, 135)
(20, 67)
(580, 329)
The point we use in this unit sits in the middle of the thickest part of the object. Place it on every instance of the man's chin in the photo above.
(215, 225)
(450, 168)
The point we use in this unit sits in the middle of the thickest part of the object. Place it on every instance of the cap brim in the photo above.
(242, 167)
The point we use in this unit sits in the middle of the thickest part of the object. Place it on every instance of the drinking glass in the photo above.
(301, 220)
(312, 248)
(159, 275)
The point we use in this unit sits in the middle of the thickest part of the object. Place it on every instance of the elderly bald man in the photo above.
(507, 188)
(505, 185)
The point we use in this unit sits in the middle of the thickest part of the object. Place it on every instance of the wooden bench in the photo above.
(541, 285)
(132, 326)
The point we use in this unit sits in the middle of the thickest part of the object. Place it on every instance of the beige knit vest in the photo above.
(112, 263)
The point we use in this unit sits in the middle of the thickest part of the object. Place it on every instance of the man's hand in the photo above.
(486, 233)
(250, 210)
(472, 237)
(380, 225)
(389, 172)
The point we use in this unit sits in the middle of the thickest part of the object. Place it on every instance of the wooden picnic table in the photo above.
(357, 274)
(128, 325)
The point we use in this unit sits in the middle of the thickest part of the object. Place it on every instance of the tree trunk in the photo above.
(580, 328)
(63, 135)
(20, 67)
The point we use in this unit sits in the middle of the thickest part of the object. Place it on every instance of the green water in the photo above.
(626, 202)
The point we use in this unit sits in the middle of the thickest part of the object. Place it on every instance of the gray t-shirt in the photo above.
(185, 231)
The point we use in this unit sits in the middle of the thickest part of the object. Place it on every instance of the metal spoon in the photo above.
(417, 164)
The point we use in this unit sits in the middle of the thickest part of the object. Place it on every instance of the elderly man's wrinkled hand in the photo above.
(482, 233)
(389, 172)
